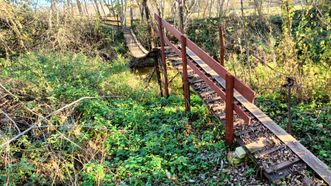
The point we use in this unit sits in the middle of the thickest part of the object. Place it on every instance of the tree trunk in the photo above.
(174, 12)
(199, 9)
(205, 9)
(97, 8)
(221, 9)
(110, 7)
(162, 7)
(122, 17)
(181, 14)
(147, 14)
(102, 8)
(258, 7)
(141, 9)
(145, 9)
(286, 14)
(51, 11)
(210, 8)
(86, 9)
(245, 41)
(79, 6)
(131, 16)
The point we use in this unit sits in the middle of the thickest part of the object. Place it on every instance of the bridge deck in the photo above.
(134, 46)
(263, 138)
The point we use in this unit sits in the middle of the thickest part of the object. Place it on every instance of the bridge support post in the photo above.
(222, 49)
(186, 87)
(163, 57)
(229, 107)
(158, 74)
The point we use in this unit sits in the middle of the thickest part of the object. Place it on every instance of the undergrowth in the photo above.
(126, 135)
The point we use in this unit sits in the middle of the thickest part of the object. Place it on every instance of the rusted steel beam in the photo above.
(229, 137)
(222, 49)
(163, 57)
(185, 75)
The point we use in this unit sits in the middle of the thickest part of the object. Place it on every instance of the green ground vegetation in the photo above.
(123, 133)
(120, 131)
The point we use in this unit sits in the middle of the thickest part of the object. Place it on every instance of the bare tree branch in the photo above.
(10, 119)
(35, 125)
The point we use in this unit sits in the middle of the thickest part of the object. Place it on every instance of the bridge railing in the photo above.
(115, 21)
(229, 88)
(230, 83)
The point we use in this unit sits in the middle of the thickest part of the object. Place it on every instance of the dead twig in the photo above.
(35, 125)
(10, 119)
(4, 88)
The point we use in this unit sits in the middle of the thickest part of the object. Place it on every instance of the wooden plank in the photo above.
(204, 94)
(250, 129)
(269, 151)
(196, 81)
(256, 145)
(138, 43)
(209, 101)
(309, 158)
(281, 165)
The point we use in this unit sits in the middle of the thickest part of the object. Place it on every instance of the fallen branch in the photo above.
(34, 125)
(16, 98)
(4, 88)
(10, 119)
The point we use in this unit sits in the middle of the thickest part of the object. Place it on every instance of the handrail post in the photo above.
(229, 109)
(163, 57)
(185, 74)
(222, 49)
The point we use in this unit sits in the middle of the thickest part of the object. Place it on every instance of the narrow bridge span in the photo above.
(278, 154)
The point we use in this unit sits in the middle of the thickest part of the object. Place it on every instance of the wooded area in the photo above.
(73, 112)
